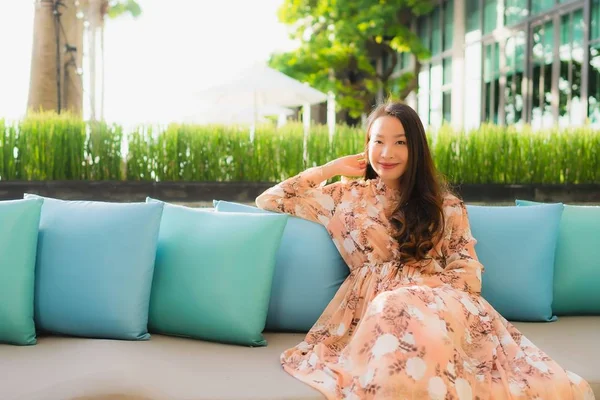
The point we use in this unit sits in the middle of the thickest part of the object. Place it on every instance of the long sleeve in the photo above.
(463, 269)
(304, 197)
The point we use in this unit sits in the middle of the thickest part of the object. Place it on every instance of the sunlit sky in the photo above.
(155, 63)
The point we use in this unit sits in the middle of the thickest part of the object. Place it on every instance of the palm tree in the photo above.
(55, 82)
(57, 53)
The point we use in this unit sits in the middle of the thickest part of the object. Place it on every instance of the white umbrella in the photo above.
(260, 86)
(234, 114)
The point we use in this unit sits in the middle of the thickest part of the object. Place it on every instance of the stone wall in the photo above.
(246, 192)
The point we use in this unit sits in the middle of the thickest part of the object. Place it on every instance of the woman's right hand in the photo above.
(352, 166)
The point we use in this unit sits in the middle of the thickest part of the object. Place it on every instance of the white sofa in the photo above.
(172, 368)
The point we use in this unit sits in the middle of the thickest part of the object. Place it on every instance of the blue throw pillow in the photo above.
(19, 224)
(309, 271)
(95, 267)
(516, 245)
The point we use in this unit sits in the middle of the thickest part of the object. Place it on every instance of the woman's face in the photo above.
(388, 150)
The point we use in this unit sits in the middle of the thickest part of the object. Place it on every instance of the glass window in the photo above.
(515, 11)
(447, 89)
(473, 16)
(423, 95)
(447, 65)
(491, 78)
(436, 32)
(490, 15)
(472, 65)
(398, 66)
(447, 106)
(423, 31)
(576, 109)
(515, 68)
(570, 110)
(403, 61)
(448, 24)
(594, 86)
(385, 60)
(539, 6)
(435, 111)
(542, 57)
(595, 20)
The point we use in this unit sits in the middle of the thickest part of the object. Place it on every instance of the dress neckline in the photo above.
(382, 188)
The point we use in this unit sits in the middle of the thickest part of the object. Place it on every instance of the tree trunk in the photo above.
(56, 55)
(44, 81)
(73, 58)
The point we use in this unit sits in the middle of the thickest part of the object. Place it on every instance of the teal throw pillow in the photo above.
(308, 273)
(577, 264)
(213, 274)
(19, 223)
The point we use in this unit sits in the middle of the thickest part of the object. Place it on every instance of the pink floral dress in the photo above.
(409, 331)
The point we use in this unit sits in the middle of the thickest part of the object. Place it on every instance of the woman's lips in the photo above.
(388, 166)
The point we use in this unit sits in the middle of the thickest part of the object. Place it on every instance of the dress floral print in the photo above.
(414, 330)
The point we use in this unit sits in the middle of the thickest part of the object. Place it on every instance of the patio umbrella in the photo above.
(234, 114)
(261, 86)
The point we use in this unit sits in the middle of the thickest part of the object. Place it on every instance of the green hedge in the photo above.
(51, 147)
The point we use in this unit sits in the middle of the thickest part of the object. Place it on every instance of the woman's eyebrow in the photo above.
(399, 135)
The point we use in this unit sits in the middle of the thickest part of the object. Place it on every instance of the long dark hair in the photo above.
(419, 218)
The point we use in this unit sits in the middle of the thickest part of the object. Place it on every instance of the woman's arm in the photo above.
(304, 195)
(463, 269)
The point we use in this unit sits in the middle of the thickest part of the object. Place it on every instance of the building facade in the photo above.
(509, 62)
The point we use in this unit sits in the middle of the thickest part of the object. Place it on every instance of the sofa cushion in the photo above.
(178, 368)
(516, 245)
(19, 223)
(572, 342)
(163, 368)
(95, 264)
(577, 264)
(308, 272)
(214, 273)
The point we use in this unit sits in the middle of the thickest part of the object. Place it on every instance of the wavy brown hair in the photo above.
(419, 218)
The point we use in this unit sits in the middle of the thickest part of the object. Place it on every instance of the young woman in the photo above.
(409, 322)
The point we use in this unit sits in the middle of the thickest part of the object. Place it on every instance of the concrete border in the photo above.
(246, 192)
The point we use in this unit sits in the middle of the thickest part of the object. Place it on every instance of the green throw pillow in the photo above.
(577, 264)
(19, 227)
(213, 274)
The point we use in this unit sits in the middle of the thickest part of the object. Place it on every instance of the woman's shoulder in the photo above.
(452, 204)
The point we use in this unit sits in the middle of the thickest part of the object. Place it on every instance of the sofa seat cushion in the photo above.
(164, 367)
(573, 342)
(178, 368)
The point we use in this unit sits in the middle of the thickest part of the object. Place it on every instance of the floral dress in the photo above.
(413, 330)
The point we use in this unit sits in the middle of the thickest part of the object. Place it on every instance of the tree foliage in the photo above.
(118, 8)
(341, 41)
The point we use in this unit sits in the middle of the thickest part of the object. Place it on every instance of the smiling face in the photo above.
(388, 149)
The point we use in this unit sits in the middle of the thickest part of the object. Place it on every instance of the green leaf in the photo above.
(340, 41)
(119, 8)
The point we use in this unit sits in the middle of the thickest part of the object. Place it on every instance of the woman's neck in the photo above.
(392, 184)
